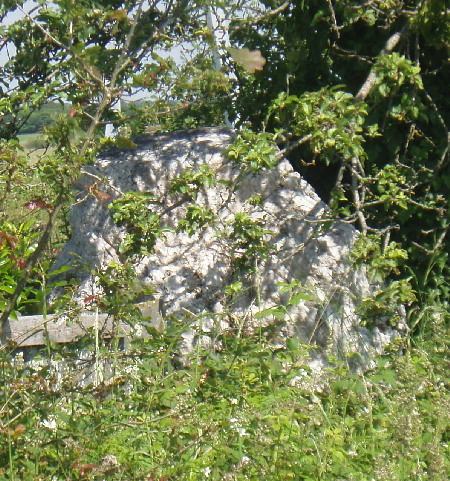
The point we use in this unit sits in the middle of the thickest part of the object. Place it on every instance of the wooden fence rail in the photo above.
(28, 331)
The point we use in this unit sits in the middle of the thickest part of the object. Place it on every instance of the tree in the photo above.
(355, 93)
(91, 54)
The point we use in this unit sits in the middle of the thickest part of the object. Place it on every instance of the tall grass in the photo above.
(249, 411)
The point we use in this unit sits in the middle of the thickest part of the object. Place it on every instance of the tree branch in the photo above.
(32, 261)
(390, 45)
(266, 15)
(109, 92)
(293, 146)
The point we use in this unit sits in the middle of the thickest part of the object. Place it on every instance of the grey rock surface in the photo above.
(191, 272)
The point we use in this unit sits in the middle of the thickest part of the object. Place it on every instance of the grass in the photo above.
(247, 412)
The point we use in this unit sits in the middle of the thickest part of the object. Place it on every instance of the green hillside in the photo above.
(43, 117)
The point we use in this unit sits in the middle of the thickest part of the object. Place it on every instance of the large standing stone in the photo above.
(191, 273)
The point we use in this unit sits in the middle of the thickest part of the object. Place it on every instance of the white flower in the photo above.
(236, 426)
(131, 370)
(49, 423)
(234, 401)
(207, 471)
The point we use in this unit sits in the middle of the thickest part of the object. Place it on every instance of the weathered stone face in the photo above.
(191, 272)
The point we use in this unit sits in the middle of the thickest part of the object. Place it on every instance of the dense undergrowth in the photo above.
(249, 411)
(355, 95)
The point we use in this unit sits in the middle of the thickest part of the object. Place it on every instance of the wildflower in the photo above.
(49, 423)
(236, 426)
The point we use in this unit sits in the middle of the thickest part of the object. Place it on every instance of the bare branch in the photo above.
(357, 197)
(263, 17)
(293, 146)
(390, 45)
(445, 155)
(333, 18)
(436, 247)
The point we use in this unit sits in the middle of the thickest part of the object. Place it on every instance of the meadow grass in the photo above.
(248, 411)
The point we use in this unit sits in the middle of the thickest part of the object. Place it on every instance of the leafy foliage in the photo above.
(134, 211)
(249, 245)
(245, 412)
(253, 151)
(356, 95)
(16, 245)
(197, 217)
(191, 181)
(329, 116)
(43, 117)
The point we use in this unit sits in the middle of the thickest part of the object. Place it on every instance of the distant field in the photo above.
(44, 117)
(31, 141)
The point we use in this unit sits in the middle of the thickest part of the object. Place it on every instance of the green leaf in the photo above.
(279, 312)
(60, 270)
(293, 344)
(8, 289)
(296, 299)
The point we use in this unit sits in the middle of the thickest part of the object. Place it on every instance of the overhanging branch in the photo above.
(371, 79)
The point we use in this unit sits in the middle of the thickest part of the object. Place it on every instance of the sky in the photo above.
(27, 7)
(8, 51)
(10, 18)
(30, 4)
(177, 53)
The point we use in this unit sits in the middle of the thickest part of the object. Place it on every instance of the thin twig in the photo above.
(293, 146)
(265, 16)
(436, 247)
(333, 18)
